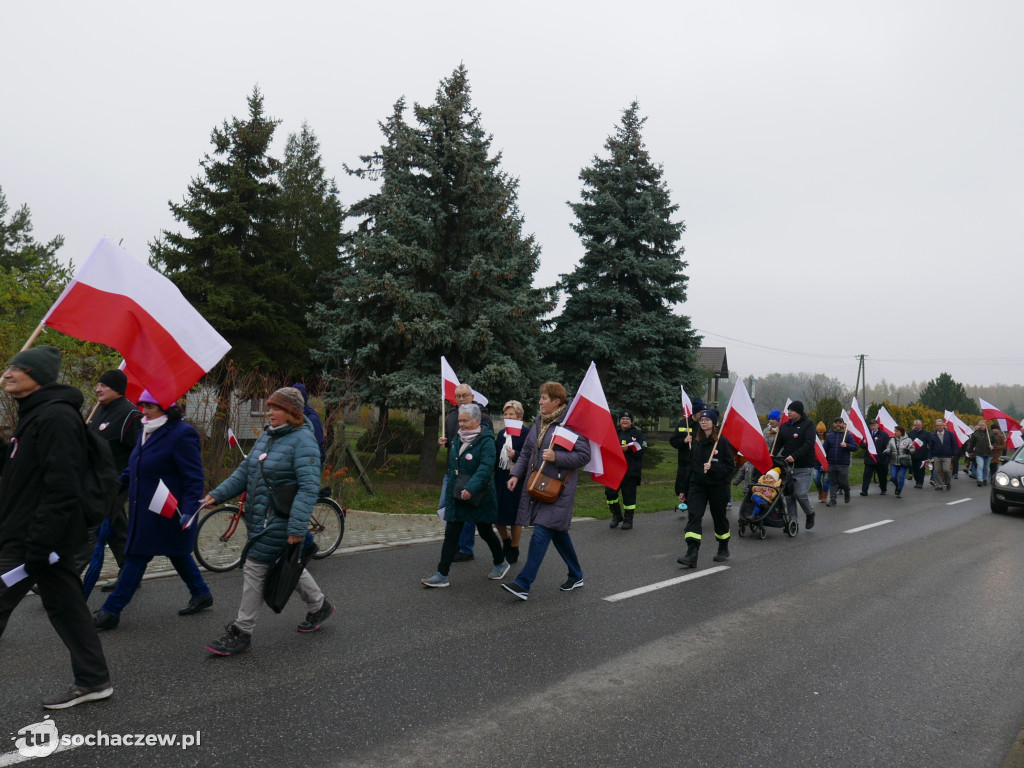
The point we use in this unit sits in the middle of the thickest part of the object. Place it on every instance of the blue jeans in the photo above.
(468, 538)
(821, 480)
(539, 547)
(984, 463)
(135, 567)
(898, 474)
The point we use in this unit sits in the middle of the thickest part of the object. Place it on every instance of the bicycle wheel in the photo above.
(220, 539)
(327, 524)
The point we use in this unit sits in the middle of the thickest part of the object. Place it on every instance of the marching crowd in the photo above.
(495, 486)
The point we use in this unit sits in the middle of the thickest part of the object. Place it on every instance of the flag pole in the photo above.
(35, 335)
(92, 412)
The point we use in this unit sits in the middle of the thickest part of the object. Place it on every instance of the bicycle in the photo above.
(222, 533)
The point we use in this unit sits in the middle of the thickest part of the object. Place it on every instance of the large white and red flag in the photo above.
(741, 428)
(785, 412)
(590, 416)
(1006, 422)
(886, 422)
(163, 501)
(960, 431)
(133, 391)
(117, 300)
(851, 427)
(819, 452)
(687, 403)
(862, 426)
(449, 381)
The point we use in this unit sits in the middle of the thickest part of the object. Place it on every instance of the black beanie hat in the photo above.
(41, 363)
(624, 414)
(116, 380)
(797, 406)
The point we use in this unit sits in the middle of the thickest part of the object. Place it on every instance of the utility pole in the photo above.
(862, 382)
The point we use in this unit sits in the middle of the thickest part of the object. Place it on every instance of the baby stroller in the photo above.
(769, 515)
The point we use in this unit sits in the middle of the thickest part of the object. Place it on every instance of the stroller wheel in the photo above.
(761, 532)
(792, 528)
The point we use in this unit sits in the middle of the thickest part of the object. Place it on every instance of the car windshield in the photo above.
(1019, 455)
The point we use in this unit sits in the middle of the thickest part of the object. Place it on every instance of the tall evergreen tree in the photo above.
(19, 249)
(946, 393)
(236, 267)
(620, 299)
(439, 266)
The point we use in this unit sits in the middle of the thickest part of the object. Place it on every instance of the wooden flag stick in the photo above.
(35, 335)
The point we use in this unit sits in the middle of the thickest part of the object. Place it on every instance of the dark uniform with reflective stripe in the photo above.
(630, 481)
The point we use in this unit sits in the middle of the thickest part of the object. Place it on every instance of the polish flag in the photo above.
(634, 446)
(1006, 422)
(513, 427)
(743, 430)
(1014, 439)
(163, 502)
(590, 417)
(886, 422)
(232, 440)
(449, 381)
(117, 300)
(564, 438)
(819, 452)
(918, 443)
(687, 404)
(135, 387)
(862, 426)
(851, 427)
(960, 430)
(785, 412)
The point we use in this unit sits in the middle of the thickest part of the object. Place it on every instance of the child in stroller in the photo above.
(763, 504)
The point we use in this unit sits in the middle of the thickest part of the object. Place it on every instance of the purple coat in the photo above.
(557, 515)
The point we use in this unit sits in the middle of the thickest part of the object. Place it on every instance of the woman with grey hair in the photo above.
(469, 495)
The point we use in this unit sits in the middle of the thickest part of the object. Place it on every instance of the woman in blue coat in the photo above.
(168, 452)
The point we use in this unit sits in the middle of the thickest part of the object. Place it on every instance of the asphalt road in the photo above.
(896, 645)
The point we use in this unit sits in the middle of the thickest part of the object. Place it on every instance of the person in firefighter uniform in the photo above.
(633, 445)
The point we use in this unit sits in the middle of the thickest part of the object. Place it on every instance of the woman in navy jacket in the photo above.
(167, 451)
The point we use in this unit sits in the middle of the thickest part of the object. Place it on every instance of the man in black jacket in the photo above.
(878, 465)
(796, 447)
(41, 515)
(633, 444)
(116, 420)
(920, 437)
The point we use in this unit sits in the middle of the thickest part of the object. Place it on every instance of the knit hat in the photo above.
(147, 397)
(624, 414)
(116, 380)
(698, 405)
(797, 406)
(821, 428)
(775, 415)
(302, 389)
(288, 399)
(41, 363)
(712, 414)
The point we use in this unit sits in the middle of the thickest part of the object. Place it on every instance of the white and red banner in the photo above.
(564, 438)
(741, 427)
(819, 453)
(862, 426)
(785, 412)
(633, 446)
(117, 300)
(513, 427)
(960, 430)
(590, 416)
(1006, 422)
(135, 388)
(449, 381)
(886, 422)
(163, 501)
(687, 403)
(1014, 439)
(851, 427)
(918, 443)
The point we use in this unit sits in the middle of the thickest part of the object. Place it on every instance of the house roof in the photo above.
(713, 360)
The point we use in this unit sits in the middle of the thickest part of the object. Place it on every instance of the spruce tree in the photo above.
(236, 266)
(946, 393)
(439, 266)
(19, 250)
(619, 300)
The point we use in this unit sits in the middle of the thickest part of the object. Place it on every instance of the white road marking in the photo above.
(958, 501)
(13, 758)
(663, 584)
(870, 525)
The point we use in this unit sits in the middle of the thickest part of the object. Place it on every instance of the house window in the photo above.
(258, 406)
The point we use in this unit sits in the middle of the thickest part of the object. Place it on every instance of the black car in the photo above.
(1008, 483)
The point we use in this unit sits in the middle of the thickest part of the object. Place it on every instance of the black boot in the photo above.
(627, 523)
(690, 558)
(723, 551)
(616, 515)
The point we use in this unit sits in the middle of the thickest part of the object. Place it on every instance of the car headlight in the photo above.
(1015, 481)
(1002, 479)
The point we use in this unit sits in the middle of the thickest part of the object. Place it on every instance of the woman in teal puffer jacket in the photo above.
(286, 454)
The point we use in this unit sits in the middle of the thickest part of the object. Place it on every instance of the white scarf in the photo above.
(503, 460)
(149, 426)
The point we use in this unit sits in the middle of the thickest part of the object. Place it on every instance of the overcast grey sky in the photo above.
(850, 174)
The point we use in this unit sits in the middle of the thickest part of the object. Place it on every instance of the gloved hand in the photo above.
(35, 568)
